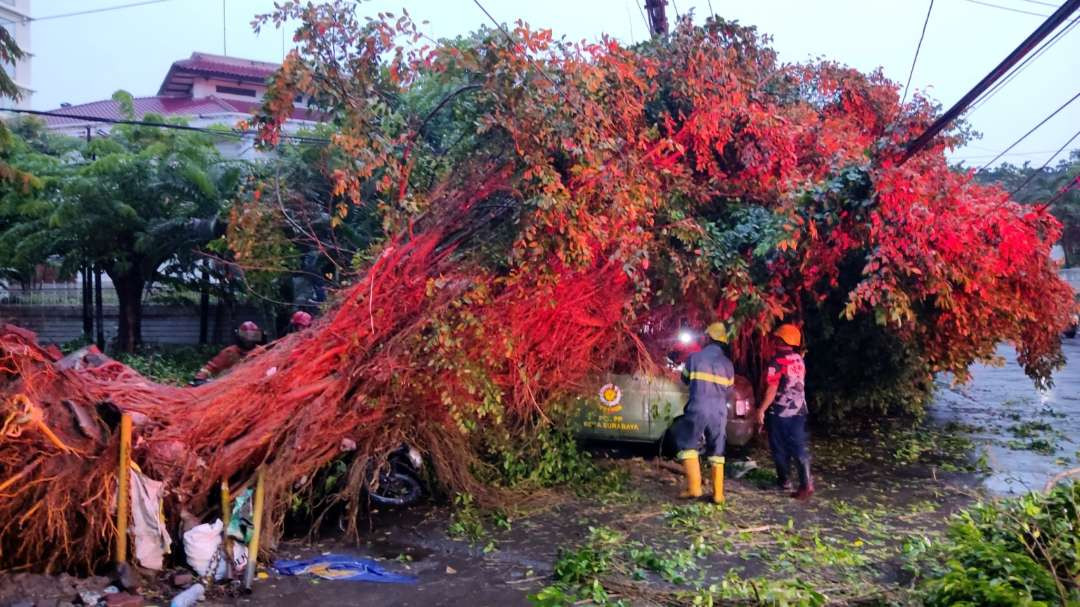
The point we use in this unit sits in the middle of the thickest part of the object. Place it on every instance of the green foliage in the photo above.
(134, 203)
(548, 456)
(946, 447)
(466, 520)
(1022, 551)
(174, 366)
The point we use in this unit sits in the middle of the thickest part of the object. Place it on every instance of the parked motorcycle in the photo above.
(398, 482)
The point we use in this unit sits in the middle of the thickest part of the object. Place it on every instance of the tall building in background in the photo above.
(15, 18)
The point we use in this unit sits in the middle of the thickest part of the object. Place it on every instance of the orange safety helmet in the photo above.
(789, 334)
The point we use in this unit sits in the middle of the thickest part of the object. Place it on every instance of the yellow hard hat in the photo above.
(717, 332)
(789, 334)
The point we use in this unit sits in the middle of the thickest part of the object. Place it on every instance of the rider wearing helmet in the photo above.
(248, 335)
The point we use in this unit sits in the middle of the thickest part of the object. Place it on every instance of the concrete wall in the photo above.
(165, 325)
(1072, 275)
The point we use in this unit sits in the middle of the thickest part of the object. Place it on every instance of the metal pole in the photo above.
(122, 495)
(87, 303)
(253, 548)
(226, 518)
(99, 310)
(658, 25)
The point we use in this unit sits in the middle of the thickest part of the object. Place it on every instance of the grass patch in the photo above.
(1022, 551)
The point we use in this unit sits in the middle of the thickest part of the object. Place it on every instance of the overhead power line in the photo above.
(1045, 164)
(918, 48)
(1040, 3)
(985, 97)
(1032, 153)
(104, 9)
(1006, 8)
(164, 125)
(1033, 129)
(1025, 47)
(1075, 183)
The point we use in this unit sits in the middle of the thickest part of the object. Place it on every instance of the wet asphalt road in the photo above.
(1028, 435)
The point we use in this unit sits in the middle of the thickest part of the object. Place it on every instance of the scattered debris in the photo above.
(342, 567)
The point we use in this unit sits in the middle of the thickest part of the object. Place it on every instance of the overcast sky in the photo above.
(85, 58)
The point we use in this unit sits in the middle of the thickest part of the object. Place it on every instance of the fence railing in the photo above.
(72, 295)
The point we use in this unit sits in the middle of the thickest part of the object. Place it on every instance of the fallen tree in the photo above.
(586, 200)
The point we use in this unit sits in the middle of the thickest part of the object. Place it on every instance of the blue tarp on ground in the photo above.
(342, 567)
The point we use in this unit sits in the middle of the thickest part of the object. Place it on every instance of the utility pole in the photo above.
(1044, 30)
(655, 9)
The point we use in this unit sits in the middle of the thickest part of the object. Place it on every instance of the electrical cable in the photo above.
(1050, 4)
(1033, 129)
(1045, 164)
(510, 39)
(985, 97)
(104, 9)
(1065, 189)
(918, 48)
(648, 28)
(1006, 8)
(1040, 33)
(1033, 153)
(163, 125)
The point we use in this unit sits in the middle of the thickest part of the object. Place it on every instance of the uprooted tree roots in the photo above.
(360, 374)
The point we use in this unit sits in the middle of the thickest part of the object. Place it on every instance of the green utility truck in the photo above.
(639, 408)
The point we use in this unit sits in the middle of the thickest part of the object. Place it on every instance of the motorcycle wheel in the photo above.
(397, 489)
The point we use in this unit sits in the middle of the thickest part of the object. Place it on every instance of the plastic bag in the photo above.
(202, 545)
(342, 567)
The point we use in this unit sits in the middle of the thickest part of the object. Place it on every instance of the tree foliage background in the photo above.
(1055, 184)
(127, 203)
(722, 183)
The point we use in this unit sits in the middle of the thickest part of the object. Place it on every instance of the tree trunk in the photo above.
(99, 309)
(87, 303)
(204, 309)
(129, 291)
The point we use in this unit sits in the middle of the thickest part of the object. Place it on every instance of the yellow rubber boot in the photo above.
(693, 474)
(717, 479)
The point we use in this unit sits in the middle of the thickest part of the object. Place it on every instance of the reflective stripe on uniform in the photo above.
(712, 379)
(686, 454)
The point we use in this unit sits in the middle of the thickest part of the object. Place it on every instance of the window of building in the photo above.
(235, 90)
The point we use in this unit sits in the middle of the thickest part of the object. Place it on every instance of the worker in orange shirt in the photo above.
(248, 335)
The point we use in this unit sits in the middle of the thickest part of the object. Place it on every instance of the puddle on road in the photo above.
(1028, 435)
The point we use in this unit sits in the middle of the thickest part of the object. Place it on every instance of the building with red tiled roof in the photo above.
(205, 89)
